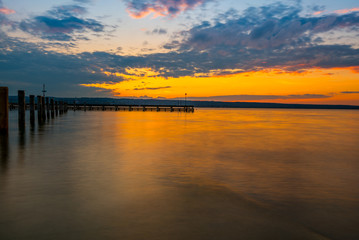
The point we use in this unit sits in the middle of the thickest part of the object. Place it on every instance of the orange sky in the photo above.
(329, 82)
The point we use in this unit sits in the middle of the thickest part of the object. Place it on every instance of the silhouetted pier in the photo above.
(144, 108)
(49, 108)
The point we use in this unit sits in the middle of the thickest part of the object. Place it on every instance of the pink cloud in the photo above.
(6, 11)
(140, 9)
(343, 11)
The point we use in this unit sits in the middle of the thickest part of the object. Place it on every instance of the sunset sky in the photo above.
(299, 51)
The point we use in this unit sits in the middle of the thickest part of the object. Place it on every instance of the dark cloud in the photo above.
(272, 36)
(83, 1)
(350, 92)
(171, 8)
(274, 26)
(151, 88)
(257, 97)
(159, 31)
(61, 23)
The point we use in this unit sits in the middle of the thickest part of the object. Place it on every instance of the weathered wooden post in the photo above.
(52, 106)
(158, 108)
(172, 109)
(43, 106)
(61, 107)
(39, 110)
(4, 110)
(47, 107)
(21, 108)
(56, 108)
(32, 110)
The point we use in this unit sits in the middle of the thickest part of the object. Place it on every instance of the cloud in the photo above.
(350, 92)
(342, 11)
(258, 97)
(3, 12)
(171, 8)
(270, 36)
(159, 31)
(151, 88)
(61, 23)
(6, 11)
(268, 27)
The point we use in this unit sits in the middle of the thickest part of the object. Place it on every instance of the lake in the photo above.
(211, 174)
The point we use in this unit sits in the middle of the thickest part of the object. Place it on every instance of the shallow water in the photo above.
(212, 174)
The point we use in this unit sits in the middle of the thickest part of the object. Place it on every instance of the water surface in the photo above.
(212, 174)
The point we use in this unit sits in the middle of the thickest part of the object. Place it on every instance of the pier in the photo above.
(51, 107)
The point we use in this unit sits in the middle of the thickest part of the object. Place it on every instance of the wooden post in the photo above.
(4, 110)
(61, 107)
(158, 108)
(56, 108)
(43, 106)
(47, 107)
(39, 110)
(32, 110)
(52, 105)
(21, 108)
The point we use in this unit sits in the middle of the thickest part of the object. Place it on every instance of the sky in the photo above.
(293, 51)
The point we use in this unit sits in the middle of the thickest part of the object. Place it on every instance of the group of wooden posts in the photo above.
(46, 108)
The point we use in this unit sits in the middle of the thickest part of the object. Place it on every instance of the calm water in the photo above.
(214, 174)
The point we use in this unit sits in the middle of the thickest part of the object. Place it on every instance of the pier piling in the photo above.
(32, 110)
(56, 108)
(21, 109)
(43, 106)
(47, 107)
(52, 106)
(39, 110)
(4, 110)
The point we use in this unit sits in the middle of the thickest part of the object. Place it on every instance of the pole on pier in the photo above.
(32, 110)
(52, 106)
(4, 110)
(21, 109)
(39, 109)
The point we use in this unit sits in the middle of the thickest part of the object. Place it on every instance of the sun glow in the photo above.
(146, 82)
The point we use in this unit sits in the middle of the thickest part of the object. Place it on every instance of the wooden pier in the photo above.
(49, 108)
(144, 108)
